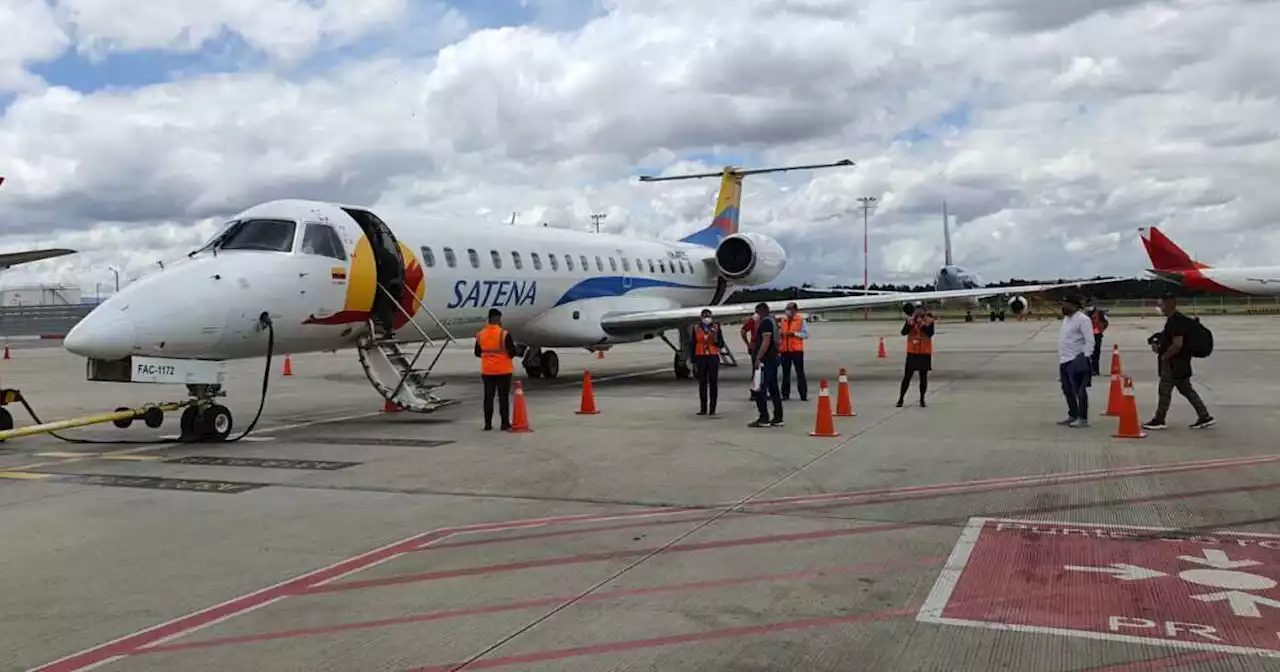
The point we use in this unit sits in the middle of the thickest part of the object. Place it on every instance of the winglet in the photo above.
(1165, 255)
(724, 221)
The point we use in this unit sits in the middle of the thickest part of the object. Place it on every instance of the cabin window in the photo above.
(586, 267)
(537, 261)
(428, 257)
(555, 264)
(600, 265)
(680, 262)
(266, 235)
(651, 269)
(639, 266)
(450, 259)
(663, 266)
(568, 263)
(516, 262)
(626, 264)
(474, 257)
(322, 240)
(497, 258)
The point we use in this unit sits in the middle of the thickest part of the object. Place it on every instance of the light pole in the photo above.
(868, 202)
(115, 271)
(596, 217)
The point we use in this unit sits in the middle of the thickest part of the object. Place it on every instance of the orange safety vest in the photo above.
(706, 341)
(791, 341)
(494, 360)
(918, 342)
(1096, 318)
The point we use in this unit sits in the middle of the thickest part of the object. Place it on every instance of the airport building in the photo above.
(40, 295)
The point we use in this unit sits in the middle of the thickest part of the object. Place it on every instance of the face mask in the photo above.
(706, 320)
(791, 313)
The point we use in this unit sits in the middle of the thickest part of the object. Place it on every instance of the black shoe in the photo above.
(922, 404)
(1202, 423)
(506, 428)
(759, 422)
(488, 428)
(1154, 424)
(702, 412)
(899, 404)
(777, 422)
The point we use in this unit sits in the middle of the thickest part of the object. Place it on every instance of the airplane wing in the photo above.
(8, 259)
(631, 322)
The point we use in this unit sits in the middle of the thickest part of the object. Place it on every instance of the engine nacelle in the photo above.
(750, 258)
(1018, 305)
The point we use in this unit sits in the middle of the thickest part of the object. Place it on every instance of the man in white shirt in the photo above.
(1075, 348)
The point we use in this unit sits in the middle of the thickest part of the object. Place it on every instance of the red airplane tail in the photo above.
(1165, 255)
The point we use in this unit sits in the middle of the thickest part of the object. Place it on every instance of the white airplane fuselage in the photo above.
(552, 286)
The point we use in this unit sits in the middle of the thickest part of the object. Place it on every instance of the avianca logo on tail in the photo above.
(1165, 255)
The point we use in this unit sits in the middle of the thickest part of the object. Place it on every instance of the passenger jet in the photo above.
(1174, 265)
(320, 274)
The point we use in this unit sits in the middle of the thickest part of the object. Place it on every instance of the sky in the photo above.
(1053, 130)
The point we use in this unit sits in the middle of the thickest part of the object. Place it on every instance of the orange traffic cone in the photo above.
(288, 365)
(824, 425)
(1130, 427)
(844, 400)
(882, 354)
(1115, 398)
(588, 396)
(389, 406)
(520, 414)
(1115, 360)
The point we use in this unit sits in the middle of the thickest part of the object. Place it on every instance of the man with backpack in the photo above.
(1182, 339)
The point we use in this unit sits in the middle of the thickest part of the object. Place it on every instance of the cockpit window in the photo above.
(268, 235)
(322, 240)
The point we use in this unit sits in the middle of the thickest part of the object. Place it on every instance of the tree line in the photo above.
(1112, 291)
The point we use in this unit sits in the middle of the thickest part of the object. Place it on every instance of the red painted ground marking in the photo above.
(874, 496)
(543, 602)
(118, 648)
(1215, 591)
(654, 642)
(598, 557)
(1165, 663)
(752, 541)
(124, 646)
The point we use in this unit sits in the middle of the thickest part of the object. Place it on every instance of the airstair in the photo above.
(393, 373)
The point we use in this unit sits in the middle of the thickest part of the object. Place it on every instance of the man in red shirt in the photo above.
(748, 337)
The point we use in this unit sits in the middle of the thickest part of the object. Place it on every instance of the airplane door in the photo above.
(387, 259)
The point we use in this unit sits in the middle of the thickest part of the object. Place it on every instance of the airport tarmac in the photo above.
(971, 535)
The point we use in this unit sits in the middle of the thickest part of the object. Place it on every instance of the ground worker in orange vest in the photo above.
(1100, 323)
(794, 334)
(496, 351)
(707, 341)
(919, 332)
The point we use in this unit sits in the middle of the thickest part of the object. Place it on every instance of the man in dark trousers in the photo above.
(1098, 318)
(767, 360)
(497, 353)
(794, 333)
(1173, 350)
(707, 342)
(919, 332)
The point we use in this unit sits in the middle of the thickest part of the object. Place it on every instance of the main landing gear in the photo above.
(539, 363)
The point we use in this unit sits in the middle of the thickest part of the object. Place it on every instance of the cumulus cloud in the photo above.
(1052, 130)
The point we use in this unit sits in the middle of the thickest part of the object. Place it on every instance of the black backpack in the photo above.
(1201, 339)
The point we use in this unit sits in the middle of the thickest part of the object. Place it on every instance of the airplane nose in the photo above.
(102, 335)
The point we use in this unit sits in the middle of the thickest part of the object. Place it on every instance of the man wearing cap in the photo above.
(1075, 348)
(496, 351)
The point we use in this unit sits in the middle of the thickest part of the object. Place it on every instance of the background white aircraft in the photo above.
(952, 277)
(326, 274)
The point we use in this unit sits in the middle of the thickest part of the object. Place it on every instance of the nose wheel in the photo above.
(208, 424)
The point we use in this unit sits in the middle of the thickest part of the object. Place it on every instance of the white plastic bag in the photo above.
(755, 380)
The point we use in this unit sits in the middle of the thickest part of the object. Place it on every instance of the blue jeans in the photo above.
(769, 390)
(1075, 377)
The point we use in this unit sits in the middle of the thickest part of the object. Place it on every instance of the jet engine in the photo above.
(1017, 305)
(750, 258)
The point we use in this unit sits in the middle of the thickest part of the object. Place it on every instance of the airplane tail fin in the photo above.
(946, 235)
(724, 221)
(1165, 255)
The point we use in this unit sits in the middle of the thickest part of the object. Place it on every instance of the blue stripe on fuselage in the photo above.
(615, 285)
